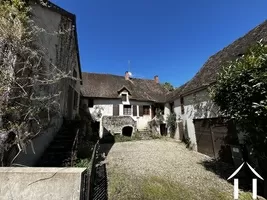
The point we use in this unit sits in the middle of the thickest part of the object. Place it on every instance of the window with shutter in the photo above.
(182, 105)
(134, 110)
(141, 113)
(127, 110)
(116, 110)
(124, 97)
(146, 110)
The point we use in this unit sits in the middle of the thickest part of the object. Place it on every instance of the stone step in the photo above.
(144, 131)
(59, 151)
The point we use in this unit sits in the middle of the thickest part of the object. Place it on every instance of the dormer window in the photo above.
(124, 97)
(124, 93)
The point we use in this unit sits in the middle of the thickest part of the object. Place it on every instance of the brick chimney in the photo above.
(127, 76)
(156, 79)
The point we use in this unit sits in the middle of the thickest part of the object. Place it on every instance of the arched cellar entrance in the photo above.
(127, 131)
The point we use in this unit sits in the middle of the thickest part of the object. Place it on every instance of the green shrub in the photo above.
(171, 123)
(240, 92)
(83, 163)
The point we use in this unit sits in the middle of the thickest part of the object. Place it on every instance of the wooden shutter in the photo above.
(134, 110)
(116, 110)
(141, 111)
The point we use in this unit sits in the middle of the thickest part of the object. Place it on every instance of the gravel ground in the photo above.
(168, 159)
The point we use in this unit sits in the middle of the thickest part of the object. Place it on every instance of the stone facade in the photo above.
(115, 124)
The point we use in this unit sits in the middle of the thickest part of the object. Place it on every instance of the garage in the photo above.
(214, 137)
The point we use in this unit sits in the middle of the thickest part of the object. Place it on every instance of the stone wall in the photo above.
(60, 50)
(115, 124)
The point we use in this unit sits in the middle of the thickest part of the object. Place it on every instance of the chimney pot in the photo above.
(127, 76)
(156, 79)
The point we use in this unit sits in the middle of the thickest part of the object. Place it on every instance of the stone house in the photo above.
(121, 104)
(62, 50)
(197, 116)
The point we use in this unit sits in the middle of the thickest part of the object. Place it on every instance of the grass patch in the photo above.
(163, 189)
(123, 186)
(83, 163)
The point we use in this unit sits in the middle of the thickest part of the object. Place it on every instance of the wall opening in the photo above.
(127, 131)
(163, 129)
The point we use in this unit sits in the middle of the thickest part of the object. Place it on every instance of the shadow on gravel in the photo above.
(99, 182)
(106, 142)
(224, 170)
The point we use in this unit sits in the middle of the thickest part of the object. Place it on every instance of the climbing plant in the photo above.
(29, 94)
(171, 123)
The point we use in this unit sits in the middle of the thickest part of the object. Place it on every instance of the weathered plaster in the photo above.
(58, 50)
(104, 107)
(196, 106)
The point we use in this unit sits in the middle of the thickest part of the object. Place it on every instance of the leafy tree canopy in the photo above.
(168, 86)
(241, 93)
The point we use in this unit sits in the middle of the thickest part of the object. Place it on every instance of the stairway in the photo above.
(58, 153)
(144, 131)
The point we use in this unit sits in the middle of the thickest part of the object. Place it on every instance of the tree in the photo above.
(241, 93)
(168, 86)
(29, 94)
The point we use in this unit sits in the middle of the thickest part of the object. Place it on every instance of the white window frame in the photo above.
(131, 107)
(127, 102)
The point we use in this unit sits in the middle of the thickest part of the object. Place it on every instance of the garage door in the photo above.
(203, 136)
(214, 137)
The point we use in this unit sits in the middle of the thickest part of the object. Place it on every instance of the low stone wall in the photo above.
(114, 124)
(26, 183)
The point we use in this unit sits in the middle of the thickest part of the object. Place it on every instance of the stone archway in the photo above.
(127, 131)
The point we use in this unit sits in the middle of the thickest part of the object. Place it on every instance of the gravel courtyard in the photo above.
(162, 169)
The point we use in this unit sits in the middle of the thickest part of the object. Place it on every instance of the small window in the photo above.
(75, 100)
(74, 76)
(124, 97)
(90, 103)
(172, 107)
(182, 105)
(127, 110)
(146, 110)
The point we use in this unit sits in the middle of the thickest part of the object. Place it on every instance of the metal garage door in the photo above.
(214, 135)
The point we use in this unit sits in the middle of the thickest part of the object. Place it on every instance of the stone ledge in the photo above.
(26, 183)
